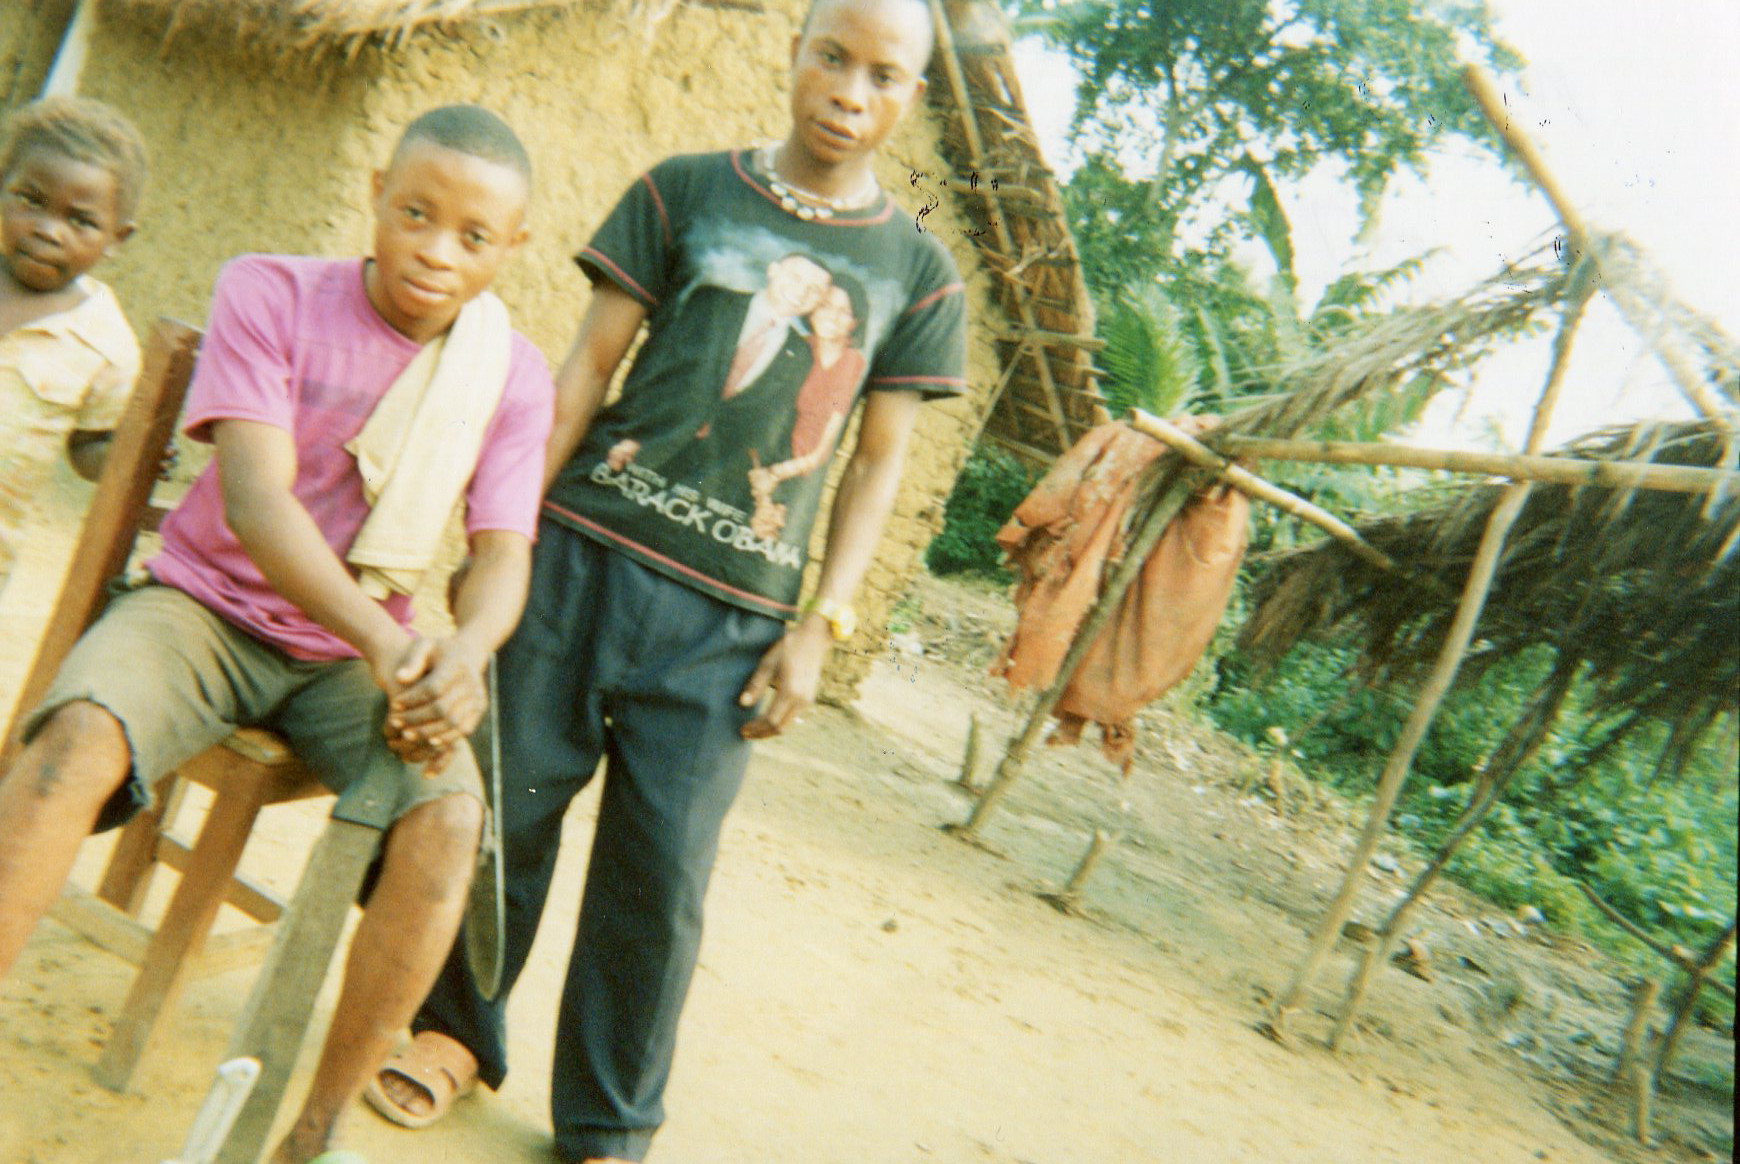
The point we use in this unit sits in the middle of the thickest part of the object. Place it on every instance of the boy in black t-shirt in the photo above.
(779, 286)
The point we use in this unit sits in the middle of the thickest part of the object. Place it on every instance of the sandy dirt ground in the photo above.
(874, 991)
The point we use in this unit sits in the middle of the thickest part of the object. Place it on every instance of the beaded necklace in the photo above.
(807, 204)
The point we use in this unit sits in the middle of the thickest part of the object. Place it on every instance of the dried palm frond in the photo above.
(1406, 347)
(1702, 360)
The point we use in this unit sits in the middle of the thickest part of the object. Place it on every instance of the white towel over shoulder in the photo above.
(419, 448)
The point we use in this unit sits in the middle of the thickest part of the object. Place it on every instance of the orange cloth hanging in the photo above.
(1064, 537)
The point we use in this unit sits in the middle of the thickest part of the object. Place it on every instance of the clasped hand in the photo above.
(435, 699)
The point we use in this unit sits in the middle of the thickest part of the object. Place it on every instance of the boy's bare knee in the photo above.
(81, 752)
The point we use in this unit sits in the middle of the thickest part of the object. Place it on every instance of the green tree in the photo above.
(1185, 105)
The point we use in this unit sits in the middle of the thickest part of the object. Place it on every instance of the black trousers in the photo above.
(611, 660)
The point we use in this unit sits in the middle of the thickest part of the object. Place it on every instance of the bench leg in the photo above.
(274, 1024)
(175, 946)
(126, 877)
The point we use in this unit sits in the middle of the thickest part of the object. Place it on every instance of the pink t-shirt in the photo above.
(295, 343)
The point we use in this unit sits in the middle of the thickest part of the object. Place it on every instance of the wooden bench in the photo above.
(247, 772)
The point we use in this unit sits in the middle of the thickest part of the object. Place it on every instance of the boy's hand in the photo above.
(439, 701)
(387, 658)
(621, 454)
(792, 667)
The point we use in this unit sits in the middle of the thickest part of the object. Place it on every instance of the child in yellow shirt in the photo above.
(71, 173)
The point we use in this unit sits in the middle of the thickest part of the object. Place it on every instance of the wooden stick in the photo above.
(970, 762)
(1518, 747)
(1672, 955)
(1061, 338)
(1173, 494)
(275, 1019)
(1243, 479)
(1096, 851)
(1393, 927)
(1643, 1093)
(1549, 470)
(1643, 999)
(1437, 685)
(1068, 899)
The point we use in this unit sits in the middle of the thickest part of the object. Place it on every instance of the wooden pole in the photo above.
(1643, 999)
(1090, 861)
(1066, 898)
(1450, 655)
(1449, 661)
(1643, 1096)
(1492, 103)
(1174, 491)
(1243, 479)
(1548, 470)
(274, 1021)
(1006, 244)
(1387, 933)
(1714, 955)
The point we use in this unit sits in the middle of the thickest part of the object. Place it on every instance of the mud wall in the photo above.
(252, 153)
(248, 153)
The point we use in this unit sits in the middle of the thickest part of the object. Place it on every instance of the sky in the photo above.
(1636, 108)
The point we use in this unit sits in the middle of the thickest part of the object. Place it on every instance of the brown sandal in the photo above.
(440, 1067)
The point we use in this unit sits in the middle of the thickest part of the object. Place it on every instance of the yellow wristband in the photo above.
(842, 620)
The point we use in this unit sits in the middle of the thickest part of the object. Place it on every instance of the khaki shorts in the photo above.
(180, 679)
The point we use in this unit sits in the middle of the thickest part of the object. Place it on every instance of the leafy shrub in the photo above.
(992, 483)
(1661, 851)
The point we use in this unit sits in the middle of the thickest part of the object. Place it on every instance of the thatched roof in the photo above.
(1638, 591)
(319, 27)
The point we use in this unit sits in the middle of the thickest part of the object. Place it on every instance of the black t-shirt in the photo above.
(764, 328)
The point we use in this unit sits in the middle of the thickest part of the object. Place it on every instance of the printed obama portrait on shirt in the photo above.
(778, 362)
(765, 330)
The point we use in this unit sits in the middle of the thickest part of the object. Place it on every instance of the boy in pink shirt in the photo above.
(253, 615)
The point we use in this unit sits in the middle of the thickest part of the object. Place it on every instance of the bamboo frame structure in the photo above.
(1480, 84)
(1211, 460)
(1426, 710)
(1201, 455)
(1672, 954)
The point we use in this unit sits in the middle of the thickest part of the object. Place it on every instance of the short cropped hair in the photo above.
(473, 130)
(929, 48)
(84, 130)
